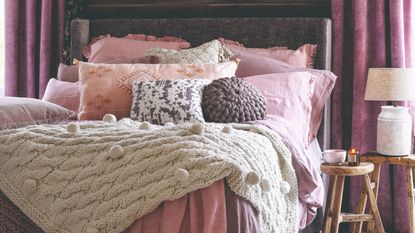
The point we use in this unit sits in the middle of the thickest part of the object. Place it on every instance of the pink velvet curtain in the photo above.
(34, 39)
(368, 33)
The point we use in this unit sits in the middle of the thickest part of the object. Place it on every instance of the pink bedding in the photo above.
(212, 209)
(310, 184)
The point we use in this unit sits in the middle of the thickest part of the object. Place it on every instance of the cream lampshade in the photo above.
(394, 122)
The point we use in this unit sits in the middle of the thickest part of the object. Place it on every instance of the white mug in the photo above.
(334, 156)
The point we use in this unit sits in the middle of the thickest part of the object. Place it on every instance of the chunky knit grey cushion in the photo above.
(228, 100)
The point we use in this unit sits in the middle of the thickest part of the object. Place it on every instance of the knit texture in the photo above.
(69, 182)
(232, 100)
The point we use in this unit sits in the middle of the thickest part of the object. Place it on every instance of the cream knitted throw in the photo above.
(71, 182)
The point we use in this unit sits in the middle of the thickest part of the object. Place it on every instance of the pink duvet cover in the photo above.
(310, 183)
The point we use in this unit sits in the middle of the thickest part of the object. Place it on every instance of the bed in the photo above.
(252, 32)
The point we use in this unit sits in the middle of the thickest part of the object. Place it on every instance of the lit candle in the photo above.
(353, 157)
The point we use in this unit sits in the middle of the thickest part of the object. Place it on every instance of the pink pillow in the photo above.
(19, 112)
(303, 57)
(107, 88)
(182, 43)
(64, 94)
(116, 50)
(68, 73)
(256, 65)
(288, 96)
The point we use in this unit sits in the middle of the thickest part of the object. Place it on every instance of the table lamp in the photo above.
(394, 126)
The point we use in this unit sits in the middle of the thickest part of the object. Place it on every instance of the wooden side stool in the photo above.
(409, 163)
(332, 216)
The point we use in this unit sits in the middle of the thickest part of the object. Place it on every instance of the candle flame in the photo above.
(353, 151)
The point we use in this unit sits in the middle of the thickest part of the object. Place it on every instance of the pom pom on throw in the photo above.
(109, 118)
(145, 125)
(285, 187)
(265, 185)
(169, 124)
(227, 129)
(29, 186)
(73, 128)
(181, 174)
(252, 178)
(91, 230)
(116, 152)
(198, 128)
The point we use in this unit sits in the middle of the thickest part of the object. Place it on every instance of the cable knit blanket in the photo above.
(101, 177)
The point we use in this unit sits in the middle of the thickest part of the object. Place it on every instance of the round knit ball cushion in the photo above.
(228, 100)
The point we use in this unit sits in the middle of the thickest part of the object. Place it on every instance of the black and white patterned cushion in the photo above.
(165, 101)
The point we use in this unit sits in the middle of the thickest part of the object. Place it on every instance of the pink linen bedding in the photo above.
(310, 184)
(212, 209)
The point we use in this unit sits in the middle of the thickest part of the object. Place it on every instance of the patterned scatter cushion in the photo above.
(165, 101)
(229, 100)
(107, 88)
(210, 52)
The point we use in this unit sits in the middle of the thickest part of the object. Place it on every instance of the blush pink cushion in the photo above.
(183, 44)
(19, 112)
(64, 94)
(288, 96)
(256, 65)
(68, 73)
(117, 50)
(303, 57)
(107, 88)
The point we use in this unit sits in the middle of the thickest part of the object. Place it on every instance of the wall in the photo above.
(205, 8)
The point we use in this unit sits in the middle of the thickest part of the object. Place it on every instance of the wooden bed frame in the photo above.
(252, 32)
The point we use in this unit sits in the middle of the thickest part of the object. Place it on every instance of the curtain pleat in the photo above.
(34, 37)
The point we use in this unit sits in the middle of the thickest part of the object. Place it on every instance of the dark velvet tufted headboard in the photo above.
(252, 32)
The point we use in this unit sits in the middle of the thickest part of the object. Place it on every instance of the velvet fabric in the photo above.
(370, 34)
(64, 94)
(34, 40)
(20, 112)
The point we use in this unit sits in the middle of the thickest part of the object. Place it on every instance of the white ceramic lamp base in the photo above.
(394, 131)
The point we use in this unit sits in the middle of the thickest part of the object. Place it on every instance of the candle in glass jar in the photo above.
(353, 157)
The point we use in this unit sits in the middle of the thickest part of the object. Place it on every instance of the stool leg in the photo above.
(410, 187)
(357, 226)
(329, 204)
(337, 205)
(375, 179)
(374, 206)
